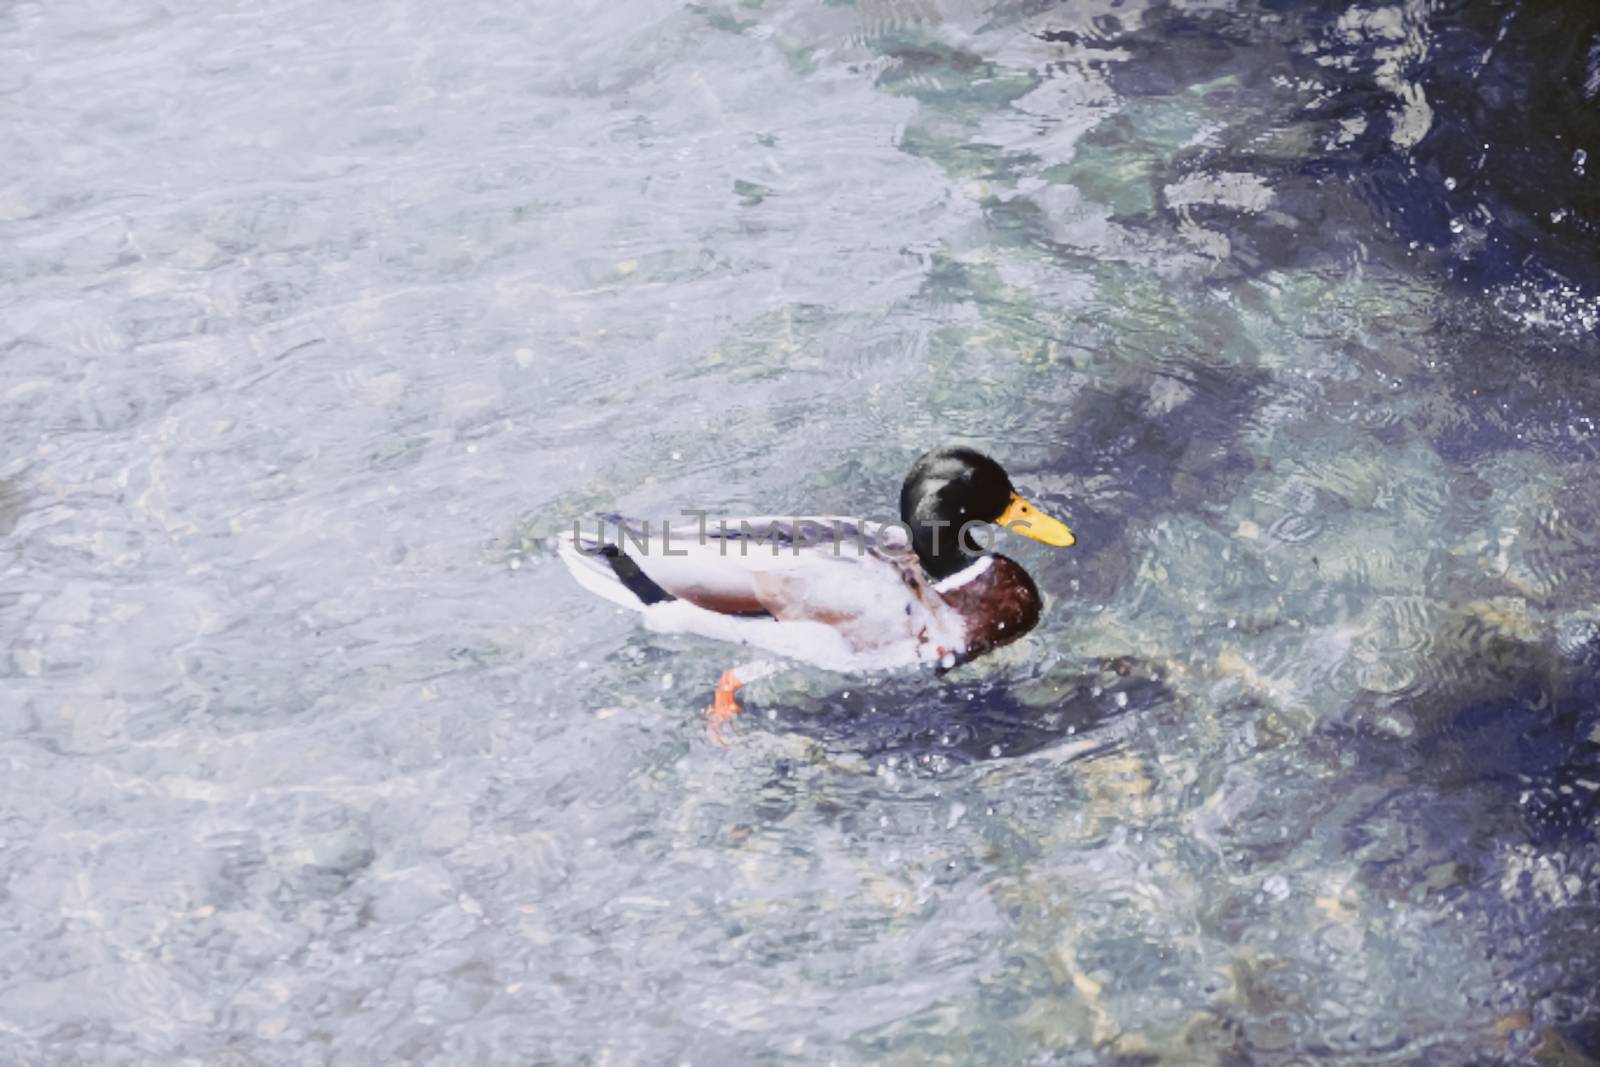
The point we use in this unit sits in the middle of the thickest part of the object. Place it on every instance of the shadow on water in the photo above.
(935, 725)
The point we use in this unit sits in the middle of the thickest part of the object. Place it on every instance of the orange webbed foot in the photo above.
(724, 708)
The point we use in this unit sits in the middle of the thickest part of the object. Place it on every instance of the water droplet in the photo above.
(994, 751)
(1450, 183)
(1579, 158)
(1456, 225)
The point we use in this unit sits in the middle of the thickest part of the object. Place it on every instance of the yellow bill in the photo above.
(1023, 518)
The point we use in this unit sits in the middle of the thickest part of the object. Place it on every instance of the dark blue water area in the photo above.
(1492, 184)
(1514, 89)
(1529, 753)
(933, 730)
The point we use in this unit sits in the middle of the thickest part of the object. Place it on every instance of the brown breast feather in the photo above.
(998, 606)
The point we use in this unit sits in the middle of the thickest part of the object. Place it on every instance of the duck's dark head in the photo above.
(949, 488)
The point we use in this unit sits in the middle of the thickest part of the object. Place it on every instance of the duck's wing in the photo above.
(732, 566)
(848, 576)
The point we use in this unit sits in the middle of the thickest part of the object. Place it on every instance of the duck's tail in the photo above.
(603, 568)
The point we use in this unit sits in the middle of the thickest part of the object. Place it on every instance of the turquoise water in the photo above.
(320, 322)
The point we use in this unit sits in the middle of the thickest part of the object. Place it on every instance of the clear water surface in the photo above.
(318, 322)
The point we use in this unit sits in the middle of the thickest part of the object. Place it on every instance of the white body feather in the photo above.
(842, 604)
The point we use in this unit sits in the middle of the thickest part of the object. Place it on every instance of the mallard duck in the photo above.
(836, 593)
